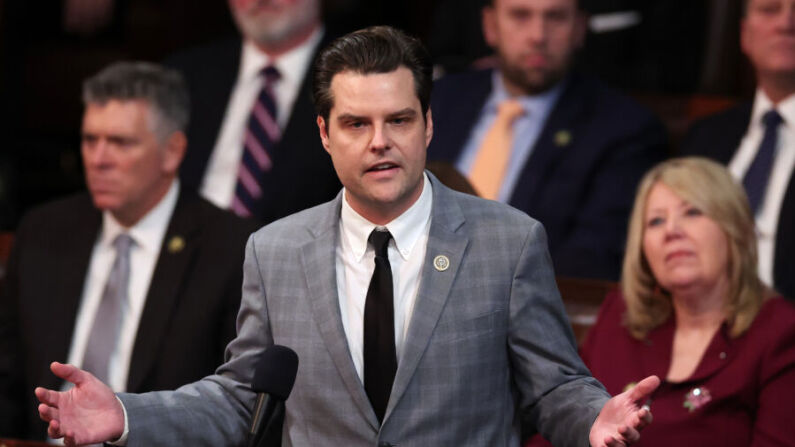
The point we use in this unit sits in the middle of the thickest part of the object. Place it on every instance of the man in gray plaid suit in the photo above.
(481, 341)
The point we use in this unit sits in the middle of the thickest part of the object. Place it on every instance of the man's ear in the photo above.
(175, 147)
(321, 127)
(428, 127)
(489, 23)
(745, 39)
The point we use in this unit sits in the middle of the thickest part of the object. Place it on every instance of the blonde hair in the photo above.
(708, 186)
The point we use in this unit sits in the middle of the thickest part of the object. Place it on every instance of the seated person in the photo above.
(548, 140)
(693, 311)
(136, 280)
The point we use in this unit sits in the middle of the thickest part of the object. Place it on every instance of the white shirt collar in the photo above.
(291, 65)
(762, 104)
(149, 230)
(405, 229)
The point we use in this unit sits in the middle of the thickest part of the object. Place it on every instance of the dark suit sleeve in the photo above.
(594, 246)
(12, 392)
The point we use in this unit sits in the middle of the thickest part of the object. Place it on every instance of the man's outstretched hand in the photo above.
(86, 414)
(624, 416)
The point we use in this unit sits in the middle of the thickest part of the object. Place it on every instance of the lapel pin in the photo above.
(441, 263)
(697, 398)
(562, 138)
(176, 244)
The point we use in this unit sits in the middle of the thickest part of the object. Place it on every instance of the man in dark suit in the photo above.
(178, 296)
(575, 149)
(226, 80)
(756, 139)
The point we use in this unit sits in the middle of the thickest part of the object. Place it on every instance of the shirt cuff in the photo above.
(123, 438)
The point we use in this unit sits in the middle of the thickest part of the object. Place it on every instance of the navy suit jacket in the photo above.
(718, 137)
(582, 191)
(302, 175)
(187, 320)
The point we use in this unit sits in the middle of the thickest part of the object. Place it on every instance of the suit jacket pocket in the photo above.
(453, 330)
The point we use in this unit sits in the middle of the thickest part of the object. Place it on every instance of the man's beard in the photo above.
(279, 30)
(532, 82)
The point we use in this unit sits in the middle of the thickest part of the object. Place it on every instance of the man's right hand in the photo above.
(88, 413)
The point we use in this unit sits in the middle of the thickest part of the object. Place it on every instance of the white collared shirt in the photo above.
(147, 235)
(783, 164)
(220, 179)
(355, 265)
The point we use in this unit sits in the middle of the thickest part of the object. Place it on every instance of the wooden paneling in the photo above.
(17, 443)
(582, 298)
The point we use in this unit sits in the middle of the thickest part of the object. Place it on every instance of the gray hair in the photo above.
(162, 88)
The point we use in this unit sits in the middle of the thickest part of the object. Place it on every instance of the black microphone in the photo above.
(274, 377)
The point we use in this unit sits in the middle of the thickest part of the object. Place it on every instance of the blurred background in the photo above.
(679, 57)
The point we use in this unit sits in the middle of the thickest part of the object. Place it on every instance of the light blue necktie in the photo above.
(105, 332)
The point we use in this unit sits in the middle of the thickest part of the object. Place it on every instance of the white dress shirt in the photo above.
(147, 235)
(783, 164)
(220, 179)
(356, 262)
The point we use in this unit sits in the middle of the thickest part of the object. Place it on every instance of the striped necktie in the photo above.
(262, 135)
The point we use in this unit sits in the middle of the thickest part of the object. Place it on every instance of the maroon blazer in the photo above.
(742, 393)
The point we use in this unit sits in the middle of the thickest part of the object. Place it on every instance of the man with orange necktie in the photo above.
(571, 157)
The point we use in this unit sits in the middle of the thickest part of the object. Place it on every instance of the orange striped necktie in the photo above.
(488, 170)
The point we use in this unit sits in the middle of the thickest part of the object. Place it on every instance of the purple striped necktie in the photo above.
(261, 136)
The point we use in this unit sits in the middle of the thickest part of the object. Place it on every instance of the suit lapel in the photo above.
(319, 265)
(785, 243)
(164, 289)
(318, 258)
(435, 285)
(728, 139)
(69, 271)
(549, 148)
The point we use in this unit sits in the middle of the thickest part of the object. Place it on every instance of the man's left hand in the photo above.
(624, 416)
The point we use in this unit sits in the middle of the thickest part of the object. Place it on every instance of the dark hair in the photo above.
(378, 49)
(163, 88)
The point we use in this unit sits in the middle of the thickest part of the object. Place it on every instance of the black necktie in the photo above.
(756, 178)
(380, 360)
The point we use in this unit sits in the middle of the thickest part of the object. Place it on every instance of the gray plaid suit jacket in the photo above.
(488, 346)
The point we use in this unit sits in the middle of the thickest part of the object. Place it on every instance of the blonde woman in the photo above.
(693, 310)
